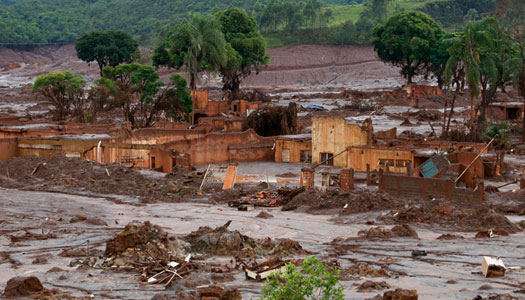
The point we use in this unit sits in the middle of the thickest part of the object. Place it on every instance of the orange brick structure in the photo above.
(293, 148)
(506, 111)
(243, 107)
(347, 179)
(307, 178)
(217, 147)
(332, 135)
(406, 186)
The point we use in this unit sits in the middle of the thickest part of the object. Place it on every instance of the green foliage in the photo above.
(498, 131)
(198, 45)
(245, 49)
(227, 42)
(62, 90)
(407, 40)
(108, 48)
(453, 14)
(480, 51)
(313, 281)
(182, 95)
(374, 13)
(50, 21)
(138, 90)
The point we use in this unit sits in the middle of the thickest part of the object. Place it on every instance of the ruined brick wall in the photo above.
(260, 152)
(359, 157)
(214, 147)
(152, 136)
(233, 125)
(404, 186)
(200, 98)
(223, 123)
(466, 158)
(215, 108)
(8, 149)
(387, 134)
(163, 161)
(172, 125)
(294, 149)
(216, 123)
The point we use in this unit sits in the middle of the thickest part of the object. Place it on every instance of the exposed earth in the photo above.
(88, 231)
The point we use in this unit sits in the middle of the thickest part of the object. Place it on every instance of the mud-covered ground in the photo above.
(56, 227)
(58, 214)
(37, 227)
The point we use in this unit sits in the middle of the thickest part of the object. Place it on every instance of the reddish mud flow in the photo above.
(37, 212)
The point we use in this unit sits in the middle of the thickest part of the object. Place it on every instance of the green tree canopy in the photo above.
(107, 48)
(246, 49)
(406, 40)
(481, 50)
(142, 95)
(198, 45)
(62, 90)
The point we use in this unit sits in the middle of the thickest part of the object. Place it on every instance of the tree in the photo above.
(246, 49)
(374, 12)
(477, 50)
(107, 48)
(180, 93)
(406, 40)
(198, 45)
(313, 282)
(140, 92)
(512, 16)
(62, 90)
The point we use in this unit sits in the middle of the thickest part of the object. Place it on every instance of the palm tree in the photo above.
(198, 45)
(466, 50)
(516, 66)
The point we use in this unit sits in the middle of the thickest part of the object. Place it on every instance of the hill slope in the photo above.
(62, 21)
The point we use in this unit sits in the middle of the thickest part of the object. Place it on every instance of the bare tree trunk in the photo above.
(444, 119)
(451, 112)
(472, 116)
(194, 94)
(523, 121)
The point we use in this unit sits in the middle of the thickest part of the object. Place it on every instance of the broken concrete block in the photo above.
(22, 286)
(492, 267)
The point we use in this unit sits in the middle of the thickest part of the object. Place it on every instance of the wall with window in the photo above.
(397, 160)
(332, 135)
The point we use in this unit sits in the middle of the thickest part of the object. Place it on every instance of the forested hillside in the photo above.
(281, 21)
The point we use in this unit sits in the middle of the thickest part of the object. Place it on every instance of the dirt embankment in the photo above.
(75, 176)
(300, 66)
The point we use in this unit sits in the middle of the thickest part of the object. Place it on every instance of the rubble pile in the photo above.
(397, 294)
(369, 286)
(460, 216)
(22, 286)
(224, 242)
(357, 201)
(60, 173)
(139, 244)
(383, 233)
(207, 292)
(267, 198)
(360, 270)
(145, 240)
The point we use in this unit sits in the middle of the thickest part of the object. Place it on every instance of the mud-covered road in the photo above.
(451, 270)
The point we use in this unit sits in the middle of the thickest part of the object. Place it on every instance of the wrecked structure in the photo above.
(508, 111)
(161, 148)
